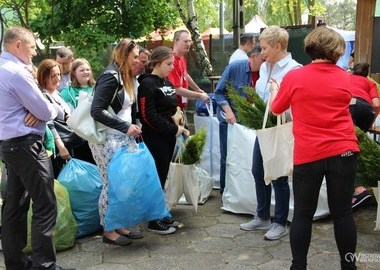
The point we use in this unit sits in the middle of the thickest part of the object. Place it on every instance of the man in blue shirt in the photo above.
(238, 74)
(30, 174)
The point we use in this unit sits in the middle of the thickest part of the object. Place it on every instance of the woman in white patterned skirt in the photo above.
(115, 88)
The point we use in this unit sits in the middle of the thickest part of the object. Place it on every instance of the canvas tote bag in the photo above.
(276, 145)
(82, 123)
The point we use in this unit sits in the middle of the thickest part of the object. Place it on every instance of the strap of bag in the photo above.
(209, 108)
(266, 112)
(117, 88)
(179, 147)
(210, 111)
(281, 119)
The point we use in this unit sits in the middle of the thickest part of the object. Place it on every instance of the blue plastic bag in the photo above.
(201, 109)
(134, 192)
(84, 184)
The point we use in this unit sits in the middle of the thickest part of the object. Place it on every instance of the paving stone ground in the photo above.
(211, 239)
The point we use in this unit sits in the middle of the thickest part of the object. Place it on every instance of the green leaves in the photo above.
(194, 147)
(369, 159)
(250, 109)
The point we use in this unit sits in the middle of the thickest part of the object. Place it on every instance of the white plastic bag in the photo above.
(376, 192)
(210, 159)
(239, 195)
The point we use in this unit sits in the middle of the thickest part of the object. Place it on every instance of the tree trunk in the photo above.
(191, 23)
(288, 9)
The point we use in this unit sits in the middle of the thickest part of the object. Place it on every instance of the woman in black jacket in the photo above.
(115, 88)
(157, 105)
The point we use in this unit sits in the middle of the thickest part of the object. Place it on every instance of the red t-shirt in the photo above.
(178, 77)
(362, 87)
(319, 97)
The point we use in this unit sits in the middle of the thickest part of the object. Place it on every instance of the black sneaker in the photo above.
(170, 222)
(159, 227)
(360, 198)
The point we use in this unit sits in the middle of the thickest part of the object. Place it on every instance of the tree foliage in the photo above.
(341, 15)
(186, 10)
(251, 8)
(91, 26)
(289, 12)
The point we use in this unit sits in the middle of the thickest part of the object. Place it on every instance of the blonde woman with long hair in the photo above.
(115, 88)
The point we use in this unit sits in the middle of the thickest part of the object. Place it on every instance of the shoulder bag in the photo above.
(84, 125)
(276, 145)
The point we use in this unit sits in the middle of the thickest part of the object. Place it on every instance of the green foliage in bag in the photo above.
(369, 159)
(66, 226)
(194, 147)
(250, 110)
(49, 141)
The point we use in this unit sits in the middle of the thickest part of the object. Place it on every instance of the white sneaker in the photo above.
(256, 224)
(275, 232)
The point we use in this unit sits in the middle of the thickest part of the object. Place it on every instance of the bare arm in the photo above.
(191, 94)
(193, 85)
(230, 116)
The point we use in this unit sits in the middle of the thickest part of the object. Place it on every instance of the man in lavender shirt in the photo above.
(23, 115)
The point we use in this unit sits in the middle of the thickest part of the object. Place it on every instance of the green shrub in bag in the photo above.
(65, 227)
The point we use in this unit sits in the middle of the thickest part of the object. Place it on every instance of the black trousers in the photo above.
(307, 179)
(30, 176)
(161, 146)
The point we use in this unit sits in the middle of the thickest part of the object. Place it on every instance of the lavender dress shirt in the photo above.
(19, 94)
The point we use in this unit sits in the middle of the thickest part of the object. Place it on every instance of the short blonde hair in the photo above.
(275, 34)
(324, 43)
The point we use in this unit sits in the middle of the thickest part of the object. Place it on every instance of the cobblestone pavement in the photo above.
(211, 239)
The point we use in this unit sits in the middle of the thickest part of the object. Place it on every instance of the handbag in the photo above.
(276, 145)
(182, 179)
(83, 124)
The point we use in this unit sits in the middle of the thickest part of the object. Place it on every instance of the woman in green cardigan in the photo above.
(82, 80)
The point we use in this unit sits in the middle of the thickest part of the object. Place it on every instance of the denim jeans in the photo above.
(307, 179)
(223, 132)
(264, 192)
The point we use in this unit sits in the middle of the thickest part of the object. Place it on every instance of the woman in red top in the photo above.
(365, 104)
(364, 108)
(325, 144)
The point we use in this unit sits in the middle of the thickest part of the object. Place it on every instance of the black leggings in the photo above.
(161, 146)
(307, 179)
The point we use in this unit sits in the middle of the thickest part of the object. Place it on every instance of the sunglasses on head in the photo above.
(131, 45)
